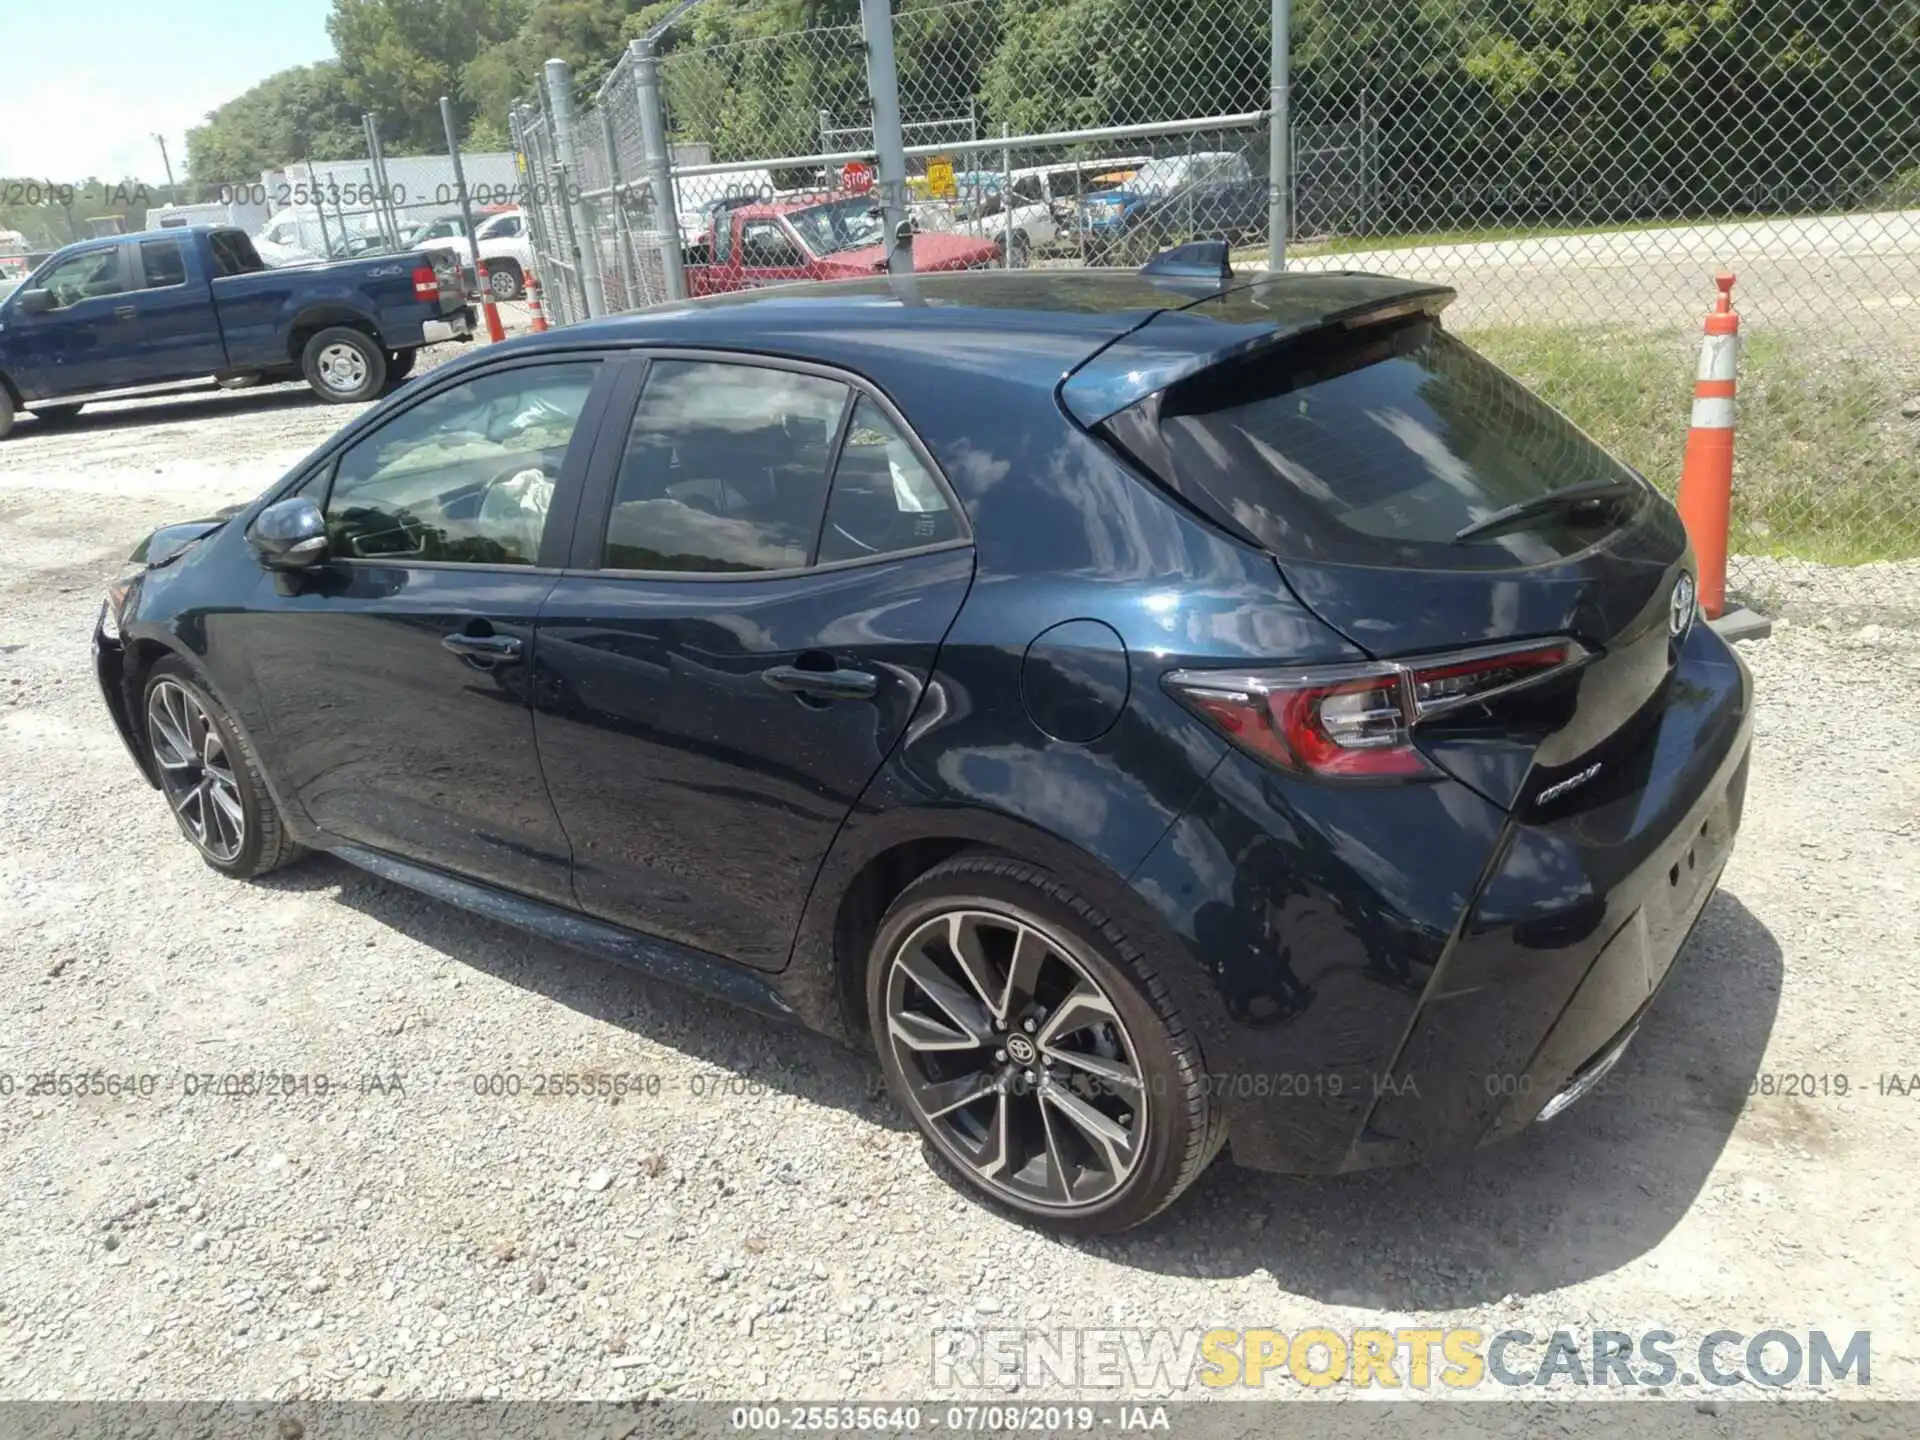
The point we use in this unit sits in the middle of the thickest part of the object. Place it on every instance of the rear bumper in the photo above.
(456, 326)
(1411, 972)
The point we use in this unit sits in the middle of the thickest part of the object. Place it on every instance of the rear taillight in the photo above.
(1356, 722)
(426, 283)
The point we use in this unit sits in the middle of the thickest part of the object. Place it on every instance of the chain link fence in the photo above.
(1577, 172)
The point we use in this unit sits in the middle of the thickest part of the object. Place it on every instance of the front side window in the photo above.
(764, 245)
(725, 469)
(883, 499)
(161, 264)
(85, 277)
(463, 476)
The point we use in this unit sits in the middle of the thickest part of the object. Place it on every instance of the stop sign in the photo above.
(856, 176)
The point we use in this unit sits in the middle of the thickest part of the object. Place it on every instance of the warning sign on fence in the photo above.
(940, 178)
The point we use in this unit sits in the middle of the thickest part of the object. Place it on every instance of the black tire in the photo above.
(6, 412)
(56, 414)
(263, 844)
(504, 280)
(1022, 250)
(400, 365)
(344, 366)
(1183, 1127)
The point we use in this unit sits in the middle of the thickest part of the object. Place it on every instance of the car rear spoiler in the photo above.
(1232, 319)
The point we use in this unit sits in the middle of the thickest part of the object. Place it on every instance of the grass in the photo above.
(1825, 468)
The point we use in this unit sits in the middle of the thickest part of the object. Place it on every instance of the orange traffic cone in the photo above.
(534, 312)
(1706, 479)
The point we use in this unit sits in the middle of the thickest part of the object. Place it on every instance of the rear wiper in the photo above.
(1571, 498)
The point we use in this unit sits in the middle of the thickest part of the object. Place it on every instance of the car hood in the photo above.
(931, 251)
(170, 542)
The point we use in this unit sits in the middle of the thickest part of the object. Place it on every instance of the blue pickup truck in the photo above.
(135, 312)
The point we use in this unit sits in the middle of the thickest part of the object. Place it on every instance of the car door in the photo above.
(395, 677)
(174, 333)
(83, 343)
(764, 570)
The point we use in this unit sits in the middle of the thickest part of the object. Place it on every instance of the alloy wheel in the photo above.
(502, 284)
(1016, 1060)
(342, 368)
(195, 771)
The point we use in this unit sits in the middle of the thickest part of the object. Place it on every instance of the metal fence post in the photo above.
(382, 199)
(628, 262)
(560, 97)
(659, 162)
(1279, 136)
(889, 145)
(492, 314)
(573, 296)
(1006, 194)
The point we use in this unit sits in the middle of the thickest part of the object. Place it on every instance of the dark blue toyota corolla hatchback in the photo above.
(1154, 710)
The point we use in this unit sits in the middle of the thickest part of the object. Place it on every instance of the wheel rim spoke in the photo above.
(963, 937)
(942, 1097)
(1117, 1074)
(967, 1012)
(1106, 1134)
(1085, 1007)
(922, 1032)
(1059, 1187)
(1023, 971)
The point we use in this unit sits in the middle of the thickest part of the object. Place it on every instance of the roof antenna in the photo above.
(1197, 260)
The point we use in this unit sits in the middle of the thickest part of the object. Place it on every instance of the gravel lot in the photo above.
(763, 1225)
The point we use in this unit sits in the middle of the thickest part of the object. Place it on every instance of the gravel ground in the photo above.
(763, 1225)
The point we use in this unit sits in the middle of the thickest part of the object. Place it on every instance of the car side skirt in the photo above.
(662, 959)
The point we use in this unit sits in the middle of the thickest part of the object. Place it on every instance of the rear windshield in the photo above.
(1373, 447)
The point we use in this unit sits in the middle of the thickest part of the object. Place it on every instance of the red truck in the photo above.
(834, 239)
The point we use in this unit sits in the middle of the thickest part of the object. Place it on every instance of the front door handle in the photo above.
(124, 312)
(822, 684)
(478, 648)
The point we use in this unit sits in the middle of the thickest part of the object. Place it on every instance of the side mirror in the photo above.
(289, 535)
(36, 302)
(903, 233)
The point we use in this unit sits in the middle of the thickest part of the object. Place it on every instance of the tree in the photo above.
(286, 117)
(398, 57)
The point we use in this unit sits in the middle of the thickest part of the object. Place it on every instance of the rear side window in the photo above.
(884, 499)
(725, 469)
(161, 264)
(233, 252)
(1375, 447)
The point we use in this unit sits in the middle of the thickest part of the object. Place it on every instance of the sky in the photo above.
(85, 84)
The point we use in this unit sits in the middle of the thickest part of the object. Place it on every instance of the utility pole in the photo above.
(173, 191)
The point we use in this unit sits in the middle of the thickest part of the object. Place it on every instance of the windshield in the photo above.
(1375, 447)
(841, 225)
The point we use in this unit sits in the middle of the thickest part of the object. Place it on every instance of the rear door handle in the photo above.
(482, 647)
(822, 684)
(124, 312)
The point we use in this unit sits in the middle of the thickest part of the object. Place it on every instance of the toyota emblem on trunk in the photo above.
(1680, 606)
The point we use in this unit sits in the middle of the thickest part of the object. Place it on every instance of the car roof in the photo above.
(765, 209)
(1103, 338)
